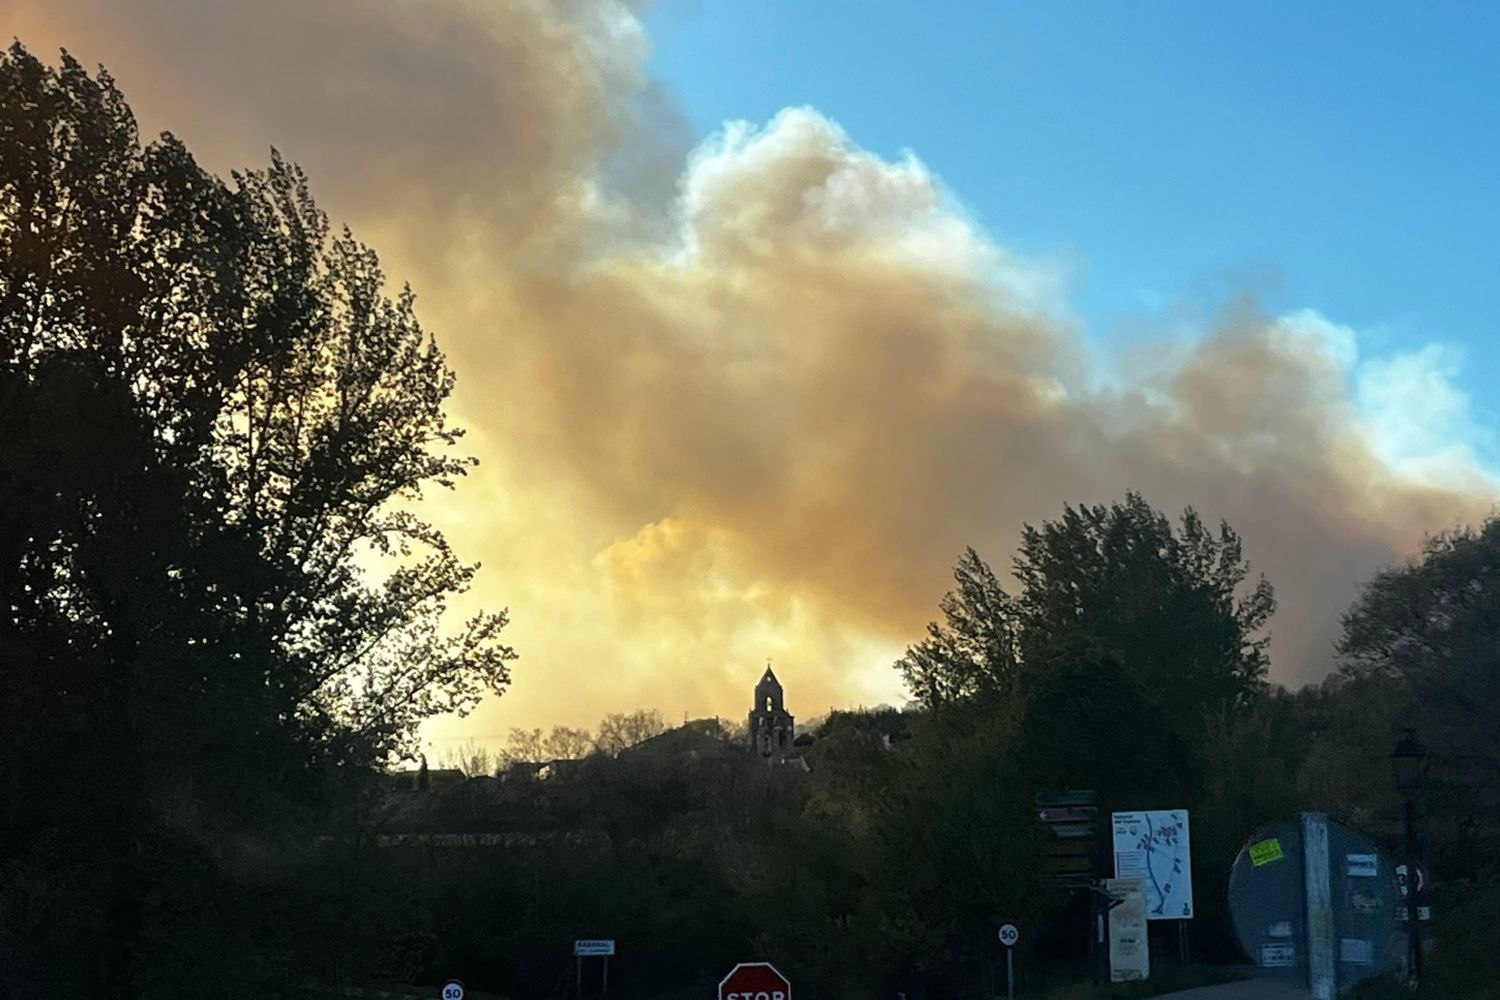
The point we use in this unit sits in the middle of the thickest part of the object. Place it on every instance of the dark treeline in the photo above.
(212, 416)
(1130, 661)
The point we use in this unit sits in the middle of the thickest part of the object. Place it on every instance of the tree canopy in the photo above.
(1117, 583)
(215, 426)
(1430, 630)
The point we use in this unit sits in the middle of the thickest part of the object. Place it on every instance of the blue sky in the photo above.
(1341, 157)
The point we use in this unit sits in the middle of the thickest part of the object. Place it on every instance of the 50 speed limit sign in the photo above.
(452, 990)
(1009, 935)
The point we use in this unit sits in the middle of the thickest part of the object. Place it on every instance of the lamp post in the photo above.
(1409, 766)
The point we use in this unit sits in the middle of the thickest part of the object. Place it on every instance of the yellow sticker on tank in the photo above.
(1265, 852)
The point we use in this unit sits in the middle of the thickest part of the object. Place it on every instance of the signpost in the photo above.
(593, 948)
(451, 990)
(1319, 895)
(1069, 819)
(755, 981)
(1009, 935)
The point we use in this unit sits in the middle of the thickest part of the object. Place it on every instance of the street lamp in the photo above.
(1409, 766)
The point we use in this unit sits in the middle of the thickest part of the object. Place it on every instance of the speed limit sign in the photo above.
(452, 990)
(1009, 935)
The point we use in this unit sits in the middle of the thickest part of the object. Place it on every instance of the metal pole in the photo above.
(1010, 974)
(604, 990)
(1413, 928)
(578, 979)
(1103, 942)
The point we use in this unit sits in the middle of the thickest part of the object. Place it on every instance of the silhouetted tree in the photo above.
(1110, 583)
(1172, 608)
(974, 653)
(1425, 638)
(567, 743)
(470, 758)
(526, 745)
(211, 417)
(620, 731)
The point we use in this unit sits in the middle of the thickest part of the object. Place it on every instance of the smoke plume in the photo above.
(748, 395)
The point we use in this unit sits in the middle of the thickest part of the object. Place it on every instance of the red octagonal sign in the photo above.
(755, 981)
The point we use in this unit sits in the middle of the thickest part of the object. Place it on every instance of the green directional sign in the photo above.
(1046, 800)
(1067, 814)
(1068, 819)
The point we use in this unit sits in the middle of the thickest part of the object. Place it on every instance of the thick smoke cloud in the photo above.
(750, 397)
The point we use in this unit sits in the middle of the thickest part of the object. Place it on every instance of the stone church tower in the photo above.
(771, 726)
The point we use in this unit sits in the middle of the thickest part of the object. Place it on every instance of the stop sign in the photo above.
(755, 981)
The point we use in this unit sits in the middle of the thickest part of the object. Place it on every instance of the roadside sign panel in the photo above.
(451, 990)
(1129, 948)
(1154, 846)
(594, 946)
(1009, 935)
(1278, 956)
(1401, 879)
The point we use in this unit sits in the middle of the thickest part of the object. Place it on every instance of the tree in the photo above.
(471, 758)
(1170, 607)
(620, 731)
(1090, 724)
(955, 853)
(211, 417)
(566, 743)
(975, 652)
(526, 745)
(1114, 584)
(1430, 630)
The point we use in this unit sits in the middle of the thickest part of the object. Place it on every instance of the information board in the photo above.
(1153, 846)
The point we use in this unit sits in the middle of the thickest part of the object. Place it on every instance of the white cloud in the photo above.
(801, 186)
(1309, 335)
(1420, 421)
(1411, 410)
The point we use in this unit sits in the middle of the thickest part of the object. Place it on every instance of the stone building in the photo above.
(771, 725)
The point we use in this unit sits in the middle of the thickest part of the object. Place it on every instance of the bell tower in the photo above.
(771, 725)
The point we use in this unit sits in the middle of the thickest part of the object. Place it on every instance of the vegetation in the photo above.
(210, 416)
(222, 622)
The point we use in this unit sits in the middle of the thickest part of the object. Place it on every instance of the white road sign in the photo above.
(1278, 956)
(1009, 935)
(452, 990)
(594, 946)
